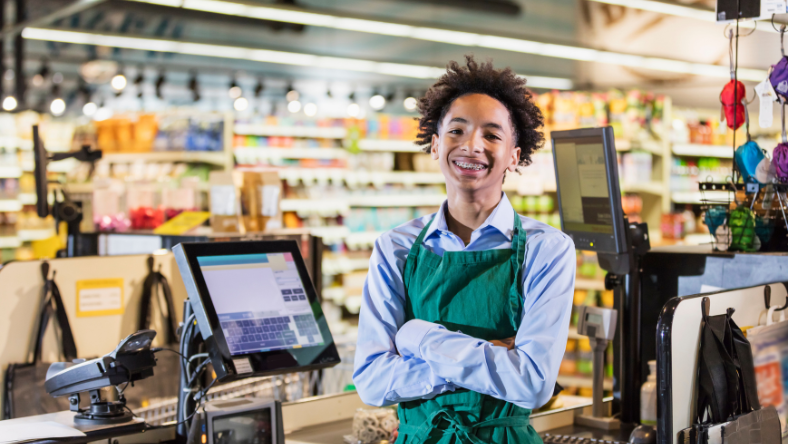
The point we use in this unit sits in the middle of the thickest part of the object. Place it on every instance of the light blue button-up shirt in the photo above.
(397, 361)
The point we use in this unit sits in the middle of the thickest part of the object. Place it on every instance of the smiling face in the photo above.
(475, 145)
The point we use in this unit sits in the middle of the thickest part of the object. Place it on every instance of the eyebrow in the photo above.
(486, 125)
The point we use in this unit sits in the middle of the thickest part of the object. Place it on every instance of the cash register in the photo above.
(251, 311)
(589, 202)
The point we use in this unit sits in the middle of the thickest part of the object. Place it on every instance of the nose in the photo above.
(474, 144)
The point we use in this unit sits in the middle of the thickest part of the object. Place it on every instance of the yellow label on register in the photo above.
(99, 297)
(183, 222)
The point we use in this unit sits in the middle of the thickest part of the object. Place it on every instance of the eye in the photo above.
(455, 131)
(493, 137)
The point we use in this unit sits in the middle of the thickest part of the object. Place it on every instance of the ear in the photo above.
(434, 147)
(515, 160)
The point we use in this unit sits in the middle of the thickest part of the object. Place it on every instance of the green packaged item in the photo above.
(764, 227)
(742, 225)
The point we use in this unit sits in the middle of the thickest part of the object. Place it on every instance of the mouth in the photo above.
(469, 166)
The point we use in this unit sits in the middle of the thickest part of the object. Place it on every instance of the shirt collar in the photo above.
(502, 219)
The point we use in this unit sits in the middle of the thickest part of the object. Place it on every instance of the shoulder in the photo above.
(540, 236)
(395, 244)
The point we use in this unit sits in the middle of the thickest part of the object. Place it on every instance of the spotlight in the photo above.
(390, 96)
(328, 93)
(89, 109)
(353, 110)
(57, 107)
(241, 104)
(310, 109)
(410, 103)
(258, 89)
(139, 80)
(119, 82)
(292, 95)
(41, 76)
(103, 113)
(377, 102)
(57, 79)
(294, 106)
(194, 87)
(159, 84)
(352, 96)
(234, 91)
(9, 103)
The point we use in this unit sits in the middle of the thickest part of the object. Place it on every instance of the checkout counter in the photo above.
(246, 334)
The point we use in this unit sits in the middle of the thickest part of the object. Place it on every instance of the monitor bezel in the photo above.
(255, 406)
(263, 363)
(602, 242)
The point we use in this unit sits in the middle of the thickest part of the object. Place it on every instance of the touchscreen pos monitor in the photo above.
(589, 199)
(256, 308)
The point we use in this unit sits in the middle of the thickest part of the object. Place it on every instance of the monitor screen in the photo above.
(260, 301)
(252, 427)
(588, 193)
(256, 307)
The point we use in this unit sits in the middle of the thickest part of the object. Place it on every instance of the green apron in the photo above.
(480, 294)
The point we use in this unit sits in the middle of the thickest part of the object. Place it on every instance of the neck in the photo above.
(465, 212)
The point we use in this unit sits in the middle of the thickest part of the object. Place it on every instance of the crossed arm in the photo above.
(397, 361)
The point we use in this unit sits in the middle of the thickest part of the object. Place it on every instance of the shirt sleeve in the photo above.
(381, 375)
(527, 374)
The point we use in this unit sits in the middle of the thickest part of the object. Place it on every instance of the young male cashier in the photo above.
(465, 312)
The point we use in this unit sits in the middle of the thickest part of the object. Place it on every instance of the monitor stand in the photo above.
(624, 277)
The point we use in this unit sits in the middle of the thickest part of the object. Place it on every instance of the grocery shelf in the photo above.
(652, 146)
(341, 265)
(696, 197)
(290, 153)
(10, 172)
(26, 235)
(10, 241)
(315, 205)
(395, 146)
(27, 198)
(582, 381)
(362, 239)
(698, 150)
(10, 205)
(589, 284)
(397, 200)
(360, 177)
(290, 131)
(644, 187)
(212, 157)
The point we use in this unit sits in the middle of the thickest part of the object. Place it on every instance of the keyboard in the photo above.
(549, 438)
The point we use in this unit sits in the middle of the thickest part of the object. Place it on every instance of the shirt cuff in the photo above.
(411, 334)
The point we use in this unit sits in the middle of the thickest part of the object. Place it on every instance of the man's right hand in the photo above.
(508, 343)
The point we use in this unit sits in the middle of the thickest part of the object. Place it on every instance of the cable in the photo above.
(158, 349)
(199, 397)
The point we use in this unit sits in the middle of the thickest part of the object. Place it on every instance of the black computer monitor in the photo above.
(589, 198)
(256, 308)
(40, 160)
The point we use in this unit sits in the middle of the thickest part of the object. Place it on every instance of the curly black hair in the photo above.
(501, 84)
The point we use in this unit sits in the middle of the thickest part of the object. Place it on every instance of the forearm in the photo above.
(521, 375)
(389, 378)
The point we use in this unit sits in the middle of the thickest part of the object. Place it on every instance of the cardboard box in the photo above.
(245, 201)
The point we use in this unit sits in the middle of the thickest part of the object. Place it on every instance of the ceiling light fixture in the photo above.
(353, 110)
(258, 89)
(194, 87)
(292, 95)
(9, 103)
(41, 76)
(294, 106)
(89, 109)
(268, 56)
(159, 84)
(310, 109)
(240, 104)
(57, 107)
(139, 80)
(118, 82)
(377, 102)
(451, 37)
(234, 91)
(410, 103)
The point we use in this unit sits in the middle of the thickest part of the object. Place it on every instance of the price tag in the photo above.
(752, 187)
(183, 222)
(99, 297)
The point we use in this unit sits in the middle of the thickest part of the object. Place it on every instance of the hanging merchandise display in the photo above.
(742, 228)
(732, 105)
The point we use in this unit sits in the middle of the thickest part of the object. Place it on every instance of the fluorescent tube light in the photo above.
(481, 40)
(676, 10)
(261, 55)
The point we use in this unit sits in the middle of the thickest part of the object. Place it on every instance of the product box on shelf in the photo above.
(245, 201)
